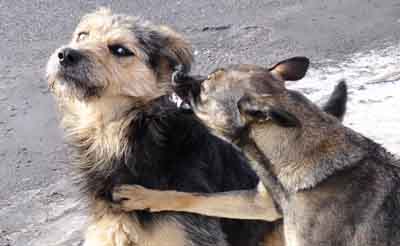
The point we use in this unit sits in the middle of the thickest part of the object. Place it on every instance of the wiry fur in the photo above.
(125, 131)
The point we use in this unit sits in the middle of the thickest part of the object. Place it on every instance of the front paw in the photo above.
(132, 197)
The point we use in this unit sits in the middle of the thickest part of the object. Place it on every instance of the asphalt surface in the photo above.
(33, 156)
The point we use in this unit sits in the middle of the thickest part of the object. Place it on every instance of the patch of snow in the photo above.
(373, 79)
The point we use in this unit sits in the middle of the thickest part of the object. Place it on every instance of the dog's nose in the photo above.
(69, 57)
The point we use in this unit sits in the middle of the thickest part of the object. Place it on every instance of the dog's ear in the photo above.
(291, 69)
(255, 111)
(164, 50)
(176, 49)
(336, 104)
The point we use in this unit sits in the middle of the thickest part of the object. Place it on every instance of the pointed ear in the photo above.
(291, 69)
(255, 111)
(336, 104)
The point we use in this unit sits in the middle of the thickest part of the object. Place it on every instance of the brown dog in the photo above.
(212, 104)
(332, 185)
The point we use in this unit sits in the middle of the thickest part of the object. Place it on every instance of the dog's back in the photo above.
(363, 201)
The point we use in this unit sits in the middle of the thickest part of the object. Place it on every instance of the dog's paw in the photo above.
(135, 197)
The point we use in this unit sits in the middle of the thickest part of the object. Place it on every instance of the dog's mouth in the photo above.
(72, 85)
(66, 82)
(70, 77)
(187, 96)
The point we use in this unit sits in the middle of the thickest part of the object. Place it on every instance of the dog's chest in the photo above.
(123, 229)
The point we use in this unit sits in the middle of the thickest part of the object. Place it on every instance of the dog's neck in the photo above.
(97, 129)
(263, 168)
(301, 159)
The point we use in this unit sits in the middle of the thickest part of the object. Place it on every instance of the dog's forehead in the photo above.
(103, 23)
(265, 83)
(250, 78)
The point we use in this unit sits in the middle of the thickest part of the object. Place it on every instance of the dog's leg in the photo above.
(244, 204)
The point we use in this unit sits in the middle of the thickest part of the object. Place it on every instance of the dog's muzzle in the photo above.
(69, 57)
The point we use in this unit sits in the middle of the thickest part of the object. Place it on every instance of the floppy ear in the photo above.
(164, 49)
(336, 104)
(291, 69)
(177, 50)
(255, 111)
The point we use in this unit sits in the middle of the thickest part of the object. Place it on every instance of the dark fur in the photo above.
(170, 149)
(336, 104)
(153, 44)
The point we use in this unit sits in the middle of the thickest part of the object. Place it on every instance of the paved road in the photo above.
(33, 158)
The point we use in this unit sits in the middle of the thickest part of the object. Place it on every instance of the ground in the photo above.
(357, 40)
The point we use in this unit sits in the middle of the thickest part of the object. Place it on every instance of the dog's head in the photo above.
(112, 55)
(232, 98)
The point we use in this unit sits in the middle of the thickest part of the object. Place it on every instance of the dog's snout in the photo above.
(69, 57)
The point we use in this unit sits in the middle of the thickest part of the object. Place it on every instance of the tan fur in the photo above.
(275, 237)
(294, 159)
(121, 77)
(97, 125)
(247, 204)
(127, 83)
(113, 228)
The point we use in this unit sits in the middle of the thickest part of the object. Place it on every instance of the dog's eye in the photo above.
(81, 36)
(258, 114)
(119, 50)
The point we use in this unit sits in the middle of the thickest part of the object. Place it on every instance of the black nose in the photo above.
(69, 57)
